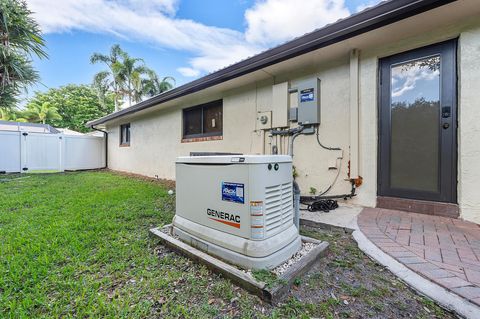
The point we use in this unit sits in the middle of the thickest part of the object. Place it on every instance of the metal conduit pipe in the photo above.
(290, 148)
(105, 134)
(296, 189)
(291, 131)
(294, 132)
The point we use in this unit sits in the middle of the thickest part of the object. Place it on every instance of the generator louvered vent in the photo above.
(278, 208)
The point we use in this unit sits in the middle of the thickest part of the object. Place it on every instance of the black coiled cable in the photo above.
(323, 205)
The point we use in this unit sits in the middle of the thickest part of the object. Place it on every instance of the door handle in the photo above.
(446, 125)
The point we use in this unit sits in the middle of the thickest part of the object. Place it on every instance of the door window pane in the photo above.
(415, 125)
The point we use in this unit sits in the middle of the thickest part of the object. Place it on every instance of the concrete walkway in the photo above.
(343, 217)
(444, 250)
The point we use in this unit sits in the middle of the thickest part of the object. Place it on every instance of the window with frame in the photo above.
(125, 134)
(203, 120)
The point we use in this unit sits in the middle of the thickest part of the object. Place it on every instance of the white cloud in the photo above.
(367, 5)
(405, 78)
(188, 72)
(151, 22)
(274, 21)
(268, 23)
(131, 19)
(166, 6)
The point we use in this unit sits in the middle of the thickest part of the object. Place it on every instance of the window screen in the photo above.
(193, 121)
(125, 134)
(203, 120)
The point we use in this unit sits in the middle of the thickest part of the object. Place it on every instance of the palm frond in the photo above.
(20, 39)
(128, 78)
(98, 57)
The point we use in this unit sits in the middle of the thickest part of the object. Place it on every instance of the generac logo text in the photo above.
(224, 218)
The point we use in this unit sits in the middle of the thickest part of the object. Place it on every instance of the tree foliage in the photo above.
(42, 113)
(20, 38)
(111, 79)
(75, 104)
(155, 85)
(127, 78)
(12, 114)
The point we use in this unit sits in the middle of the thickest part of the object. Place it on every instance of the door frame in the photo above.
(448, 184)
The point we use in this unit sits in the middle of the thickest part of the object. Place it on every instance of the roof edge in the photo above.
(383, 14)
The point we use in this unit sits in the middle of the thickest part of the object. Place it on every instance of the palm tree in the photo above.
(11, 115)
(154, 85)
(101, 85)
(151, 85)
(42, 113)
(20, 38)
(8, 97)
(113, 78)
(128, 78)
(132, 77)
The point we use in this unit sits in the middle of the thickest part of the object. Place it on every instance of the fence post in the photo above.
(23, 151)
(61, 138)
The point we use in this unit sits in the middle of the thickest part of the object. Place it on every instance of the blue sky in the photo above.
(181, 38)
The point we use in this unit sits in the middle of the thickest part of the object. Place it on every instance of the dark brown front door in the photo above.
(417, 142)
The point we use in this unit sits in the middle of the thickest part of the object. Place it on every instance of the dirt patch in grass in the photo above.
(168, 183)
(77, 245)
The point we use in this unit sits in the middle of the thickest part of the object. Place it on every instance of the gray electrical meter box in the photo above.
(309, 101)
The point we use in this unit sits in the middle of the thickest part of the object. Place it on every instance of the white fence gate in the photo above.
(26, 152)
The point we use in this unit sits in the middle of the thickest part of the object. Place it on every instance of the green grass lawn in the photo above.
(77, 245)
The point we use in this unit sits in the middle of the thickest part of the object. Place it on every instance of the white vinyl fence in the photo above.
(26, 152)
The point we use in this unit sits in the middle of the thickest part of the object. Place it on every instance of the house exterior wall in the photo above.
(156, 137)
(469, 124)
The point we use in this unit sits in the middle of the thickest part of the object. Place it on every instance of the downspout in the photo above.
(105, 134)
(354, 114)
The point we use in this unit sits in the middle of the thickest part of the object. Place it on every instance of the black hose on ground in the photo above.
(325, 203)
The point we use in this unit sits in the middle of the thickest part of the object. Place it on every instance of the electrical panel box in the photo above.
(309, 101)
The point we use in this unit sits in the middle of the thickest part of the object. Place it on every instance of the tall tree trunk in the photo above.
(129, 93)
(115, 95)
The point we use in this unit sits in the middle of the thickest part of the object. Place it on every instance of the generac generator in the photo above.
(238, 208)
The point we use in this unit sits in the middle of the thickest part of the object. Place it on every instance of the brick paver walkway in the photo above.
(444, 250)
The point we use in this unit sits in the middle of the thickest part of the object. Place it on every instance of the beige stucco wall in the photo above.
(156, 137)
(469, 124)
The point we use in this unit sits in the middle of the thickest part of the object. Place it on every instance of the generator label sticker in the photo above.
(307, 95)
(233, 192)
(224, 218)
